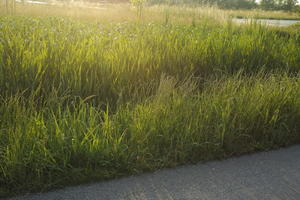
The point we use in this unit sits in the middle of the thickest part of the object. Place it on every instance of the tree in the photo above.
(237, 4)
(288, 5)
(268, 4)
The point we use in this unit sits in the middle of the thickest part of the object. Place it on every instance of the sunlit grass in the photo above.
(119, 12)
(60, 144)
(94, 95)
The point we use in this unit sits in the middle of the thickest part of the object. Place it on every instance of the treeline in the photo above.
(278, 4)
(287, 5)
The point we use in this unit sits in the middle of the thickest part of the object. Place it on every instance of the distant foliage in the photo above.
(237, 4)
(267, 4)
(287, 5)
(233, 4)
(278, 4)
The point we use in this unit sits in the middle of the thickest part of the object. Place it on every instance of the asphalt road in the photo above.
(268, 175)
(269, 22)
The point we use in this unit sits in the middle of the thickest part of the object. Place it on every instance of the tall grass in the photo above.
(57, 144)
(86, 100)
(114, 61)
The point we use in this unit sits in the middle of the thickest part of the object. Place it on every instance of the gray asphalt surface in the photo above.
(268, 175)
(269, 22)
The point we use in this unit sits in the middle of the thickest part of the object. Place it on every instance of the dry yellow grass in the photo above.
(119, 12)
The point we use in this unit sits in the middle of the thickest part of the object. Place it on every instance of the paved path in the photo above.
(269, 175)
(269, 22)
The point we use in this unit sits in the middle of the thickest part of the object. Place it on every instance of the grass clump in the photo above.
(58, 145)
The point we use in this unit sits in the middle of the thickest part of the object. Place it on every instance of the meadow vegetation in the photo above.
(89, 96)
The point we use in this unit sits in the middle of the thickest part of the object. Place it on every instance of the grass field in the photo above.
(125, 12)
(84, 98)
